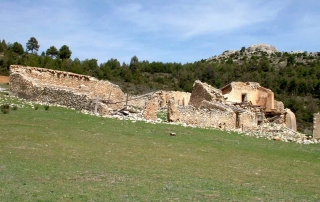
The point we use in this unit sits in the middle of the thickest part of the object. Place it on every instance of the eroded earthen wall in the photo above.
(316, 126)
(64, 88)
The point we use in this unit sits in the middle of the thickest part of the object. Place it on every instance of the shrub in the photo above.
(14, 107)
(5, 111)
(5, 108)
(36, 107)
(46, 107)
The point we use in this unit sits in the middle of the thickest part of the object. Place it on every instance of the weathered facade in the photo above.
(249, 92)
(316, 127)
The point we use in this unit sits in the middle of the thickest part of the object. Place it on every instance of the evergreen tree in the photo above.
(32, 45)
(52, 52)
(17, 48)
(64, 52)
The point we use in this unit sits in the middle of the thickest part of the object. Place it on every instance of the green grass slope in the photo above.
(63, 155)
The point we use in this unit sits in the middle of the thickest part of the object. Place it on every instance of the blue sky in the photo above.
(167, 30)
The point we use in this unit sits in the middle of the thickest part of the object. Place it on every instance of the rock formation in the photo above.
(262, 47)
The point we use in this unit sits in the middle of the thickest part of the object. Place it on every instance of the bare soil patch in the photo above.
(4, 79)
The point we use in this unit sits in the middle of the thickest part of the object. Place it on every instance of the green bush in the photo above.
(46, 107)
(14, 107)
(5, 111)
(36, 107)
(5, 108)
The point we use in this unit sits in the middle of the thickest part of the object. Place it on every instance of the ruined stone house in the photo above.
(237, 105)
(261, 98)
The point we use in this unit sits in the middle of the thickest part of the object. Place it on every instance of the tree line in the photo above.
(297, 83)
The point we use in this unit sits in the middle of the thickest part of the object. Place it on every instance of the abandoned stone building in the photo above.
(260, 98)
(237, 105)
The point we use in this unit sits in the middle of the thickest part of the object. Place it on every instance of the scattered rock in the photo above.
(172, 134)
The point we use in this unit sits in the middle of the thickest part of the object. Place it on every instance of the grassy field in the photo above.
(63, 155)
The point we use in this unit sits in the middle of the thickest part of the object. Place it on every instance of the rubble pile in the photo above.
(280, 133)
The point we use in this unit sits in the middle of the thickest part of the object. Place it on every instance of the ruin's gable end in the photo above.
(64, 88)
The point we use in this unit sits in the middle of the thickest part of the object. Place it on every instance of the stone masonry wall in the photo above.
(181, 98)
(210, 118)
(203, 91)
(64, 88)
(316, 127)
(255, 93)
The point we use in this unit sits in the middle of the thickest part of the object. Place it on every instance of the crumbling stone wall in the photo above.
(248, 120)
(151, 109)
(279, 106)
(316, 127)
(291, 120)
(208, 118)
(236, 91)
(181, 98)
(64, 88)
(203, 91)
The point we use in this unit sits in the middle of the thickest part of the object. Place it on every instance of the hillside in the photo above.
(63, 155)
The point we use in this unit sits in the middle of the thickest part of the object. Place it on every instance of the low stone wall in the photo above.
(163, 97)
(208, 118)
(181, 98)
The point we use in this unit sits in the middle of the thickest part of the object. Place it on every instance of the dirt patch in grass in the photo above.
(4, 79)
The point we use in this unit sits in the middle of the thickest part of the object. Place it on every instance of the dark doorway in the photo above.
(244, 97)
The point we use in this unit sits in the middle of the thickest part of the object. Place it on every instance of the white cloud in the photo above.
(199, 17)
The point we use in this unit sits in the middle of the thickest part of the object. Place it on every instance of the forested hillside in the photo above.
(294, 77)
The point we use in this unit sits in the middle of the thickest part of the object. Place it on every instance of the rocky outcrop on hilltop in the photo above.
(257, 52)
(262, 47)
